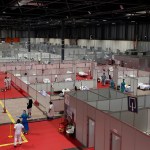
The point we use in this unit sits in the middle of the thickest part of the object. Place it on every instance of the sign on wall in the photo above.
(132, 104)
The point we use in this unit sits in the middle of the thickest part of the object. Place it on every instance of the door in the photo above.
(115, 141)
(91, 133)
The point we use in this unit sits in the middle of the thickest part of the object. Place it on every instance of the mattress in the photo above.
(82, 73)
(68, 79)
(65, 90)
(143, 86)
(84, 88)
(17, 75)
(69, 72)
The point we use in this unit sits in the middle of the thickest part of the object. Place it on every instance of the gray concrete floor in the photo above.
(15, 107)
(142, 92)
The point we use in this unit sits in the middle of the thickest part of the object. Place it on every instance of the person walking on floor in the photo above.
(18, 129)
(29, 107)
(6, 83)
(51, 111)
(25, 117)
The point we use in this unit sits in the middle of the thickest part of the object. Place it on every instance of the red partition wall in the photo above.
(9, 40)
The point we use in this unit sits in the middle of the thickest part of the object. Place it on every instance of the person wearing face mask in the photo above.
(25, 117)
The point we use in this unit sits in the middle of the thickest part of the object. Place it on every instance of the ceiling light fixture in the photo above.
(89, 12)
(121, 7)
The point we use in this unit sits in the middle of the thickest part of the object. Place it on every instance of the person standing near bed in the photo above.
(123, 86)
(29, 107)
(103, 78)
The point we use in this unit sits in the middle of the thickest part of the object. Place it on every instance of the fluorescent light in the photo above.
(89, 12)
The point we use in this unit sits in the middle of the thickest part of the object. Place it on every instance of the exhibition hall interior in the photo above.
(74, 75)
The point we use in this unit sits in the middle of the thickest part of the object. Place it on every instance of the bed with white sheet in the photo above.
(83, 74)
(26, 82)
(46, 80)
(69, 72)
(65, 90)
(17, 75)
(84, 88)
(132, 75)
(143, 86)
(68, 79)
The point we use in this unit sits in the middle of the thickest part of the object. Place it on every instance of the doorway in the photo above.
(115, 141)
(91, 133)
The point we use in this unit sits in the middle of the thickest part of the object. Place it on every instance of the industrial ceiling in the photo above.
(45, 13)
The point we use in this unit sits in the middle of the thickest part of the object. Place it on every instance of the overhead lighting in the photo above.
(132, 21)
(104, 20)
(121, 7)
(113, 23)
(4, 12)
(89, 12)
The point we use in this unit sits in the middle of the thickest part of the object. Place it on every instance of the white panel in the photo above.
(115, 105)
(92, 104)
(103, 105)
(127, 117)
(124, 104)
(106, 44)
(143, 80)
(141, 101)
(148, 120)
(141, 120)
(147, 103)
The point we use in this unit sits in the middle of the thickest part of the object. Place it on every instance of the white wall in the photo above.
(55, 41)
(106, 44)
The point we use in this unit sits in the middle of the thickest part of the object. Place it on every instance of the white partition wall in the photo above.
(106, 123)
(115, 75)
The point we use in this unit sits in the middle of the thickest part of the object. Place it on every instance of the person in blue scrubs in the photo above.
(25, 117)
(123, 86)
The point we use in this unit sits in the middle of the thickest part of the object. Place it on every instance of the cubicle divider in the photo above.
(37, 96)
(36, 66)
(122, 123)
(58, 86)
(40, 79)
(145, 79)
(54, 71)
(82, 69)
(142, 73)
(41, 86)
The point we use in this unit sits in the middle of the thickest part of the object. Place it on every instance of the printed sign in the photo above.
(132, 104)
